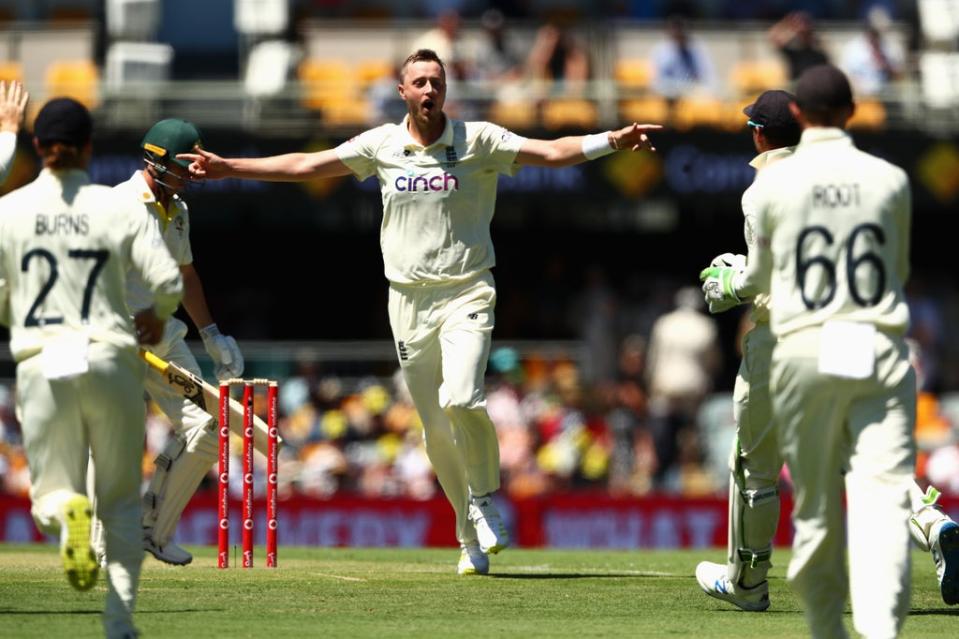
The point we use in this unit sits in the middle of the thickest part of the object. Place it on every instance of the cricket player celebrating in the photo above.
(13, 102)
(755, 462)
(832, 248)
(438, 180)
(153, 192)
(66, 247)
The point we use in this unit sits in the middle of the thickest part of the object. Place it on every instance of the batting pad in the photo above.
(179, 470)
(753, 518)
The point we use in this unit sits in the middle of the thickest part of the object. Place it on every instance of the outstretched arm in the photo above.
(574, 149)
(290, 167)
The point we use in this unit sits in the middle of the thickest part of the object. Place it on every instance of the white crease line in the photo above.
(597, 571)
(342, 577)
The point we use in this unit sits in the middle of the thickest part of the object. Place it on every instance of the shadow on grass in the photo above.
(947, 612)
(14, 611)
(576, 575)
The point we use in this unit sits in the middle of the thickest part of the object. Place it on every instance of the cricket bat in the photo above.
(207, 397)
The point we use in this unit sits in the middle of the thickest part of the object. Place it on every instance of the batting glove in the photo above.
(226, 355)
(718, 287)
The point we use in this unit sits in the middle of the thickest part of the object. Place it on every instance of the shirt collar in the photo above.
(445, 139)
(78, 176)
(146, 196)
(817, 134)
(766, 158)
(143, 189)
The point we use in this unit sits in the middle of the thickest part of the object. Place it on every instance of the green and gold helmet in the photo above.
(168, 138)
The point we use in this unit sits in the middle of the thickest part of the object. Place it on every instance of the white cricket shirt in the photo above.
(832, 237)
(170, 226)
(65, 249)
(760, 312)
(438, 200)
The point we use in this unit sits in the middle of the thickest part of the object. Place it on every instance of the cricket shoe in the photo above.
(490, 530)
(168, 554)
(473, 561)
(79, 559)
(714, 581)
(944, 544)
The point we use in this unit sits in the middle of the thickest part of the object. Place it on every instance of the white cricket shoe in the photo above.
(168, 554)
(79, 558)
(944, 545)
(473, 561)
(490, 530)
(714, 581)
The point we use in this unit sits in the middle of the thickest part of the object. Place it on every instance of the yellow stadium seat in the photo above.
(514, 115)
(633, 74)
(11, 70)
(870, 114)
(569, 112)
(692, 112)
(78, 79)
(750, 76)
(325, 81)
(652, 110)
(347, 112)
(371, 71)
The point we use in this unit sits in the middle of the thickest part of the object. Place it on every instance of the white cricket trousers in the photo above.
(99, 414)
(442, 336)
(829, 426)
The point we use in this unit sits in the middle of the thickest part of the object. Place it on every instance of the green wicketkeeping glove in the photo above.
(718, 287)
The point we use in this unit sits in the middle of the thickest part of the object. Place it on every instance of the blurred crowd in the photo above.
(684, 69)
(623, 413)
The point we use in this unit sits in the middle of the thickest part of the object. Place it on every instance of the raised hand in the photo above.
(633, 137)
(13, 102)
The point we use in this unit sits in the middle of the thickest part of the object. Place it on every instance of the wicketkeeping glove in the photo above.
(718, 287)
(729, 259)
(226, 355)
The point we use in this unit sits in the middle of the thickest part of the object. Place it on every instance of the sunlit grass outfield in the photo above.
(416, 593)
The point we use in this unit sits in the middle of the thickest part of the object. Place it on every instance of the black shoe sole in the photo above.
(949, 546)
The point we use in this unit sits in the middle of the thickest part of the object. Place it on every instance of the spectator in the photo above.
(795, 37)
(682, 360)
(681, 65)
(496, 59)
(444, 39)
(556, 55)
(873, 59)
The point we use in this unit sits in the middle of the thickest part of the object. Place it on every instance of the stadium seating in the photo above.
(870, 114)
(632, 74)
(755, 76)
(513, 114)
(569, 112)
(651, 108)
(78, 79)
(11, 70)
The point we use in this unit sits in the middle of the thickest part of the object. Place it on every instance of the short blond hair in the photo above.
(421, 55)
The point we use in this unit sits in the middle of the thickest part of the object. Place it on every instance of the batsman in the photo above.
(155, 191)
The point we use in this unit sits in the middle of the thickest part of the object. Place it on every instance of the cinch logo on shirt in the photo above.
(444, 182)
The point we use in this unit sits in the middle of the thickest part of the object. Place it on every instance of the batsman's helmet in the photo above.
(168, 138)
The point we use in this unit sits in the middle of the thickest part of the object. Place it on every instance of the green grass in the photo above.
(416, 593)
